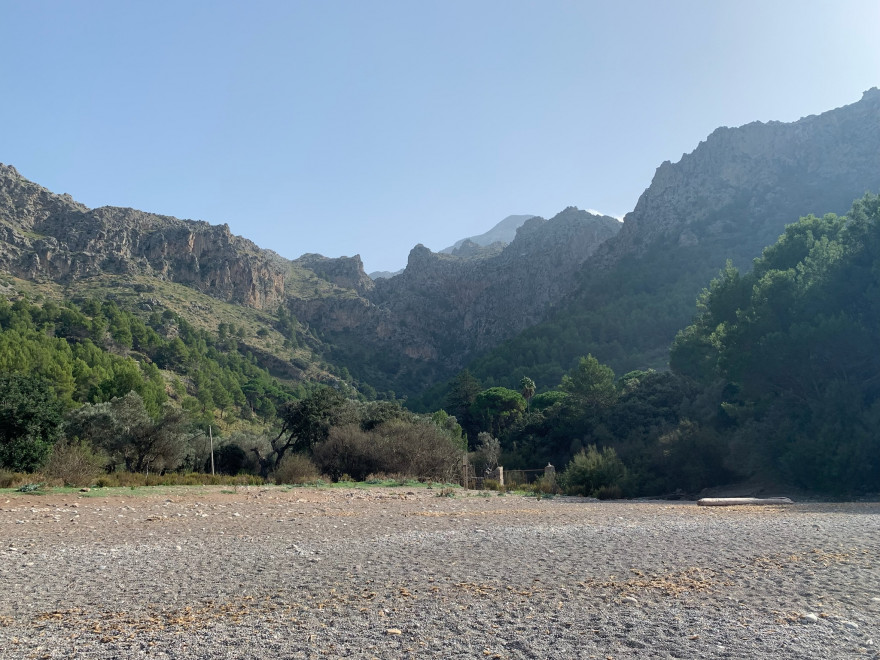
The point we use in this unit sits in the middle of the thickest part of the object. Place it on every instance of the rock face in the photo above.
(443, 307)
(728, 199)
(476, 302)
(743, 185)
(440, 310)
(44, 236)
(344, 272)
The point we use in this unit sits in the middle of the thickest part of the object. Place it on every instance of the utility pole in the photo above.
(211, 437)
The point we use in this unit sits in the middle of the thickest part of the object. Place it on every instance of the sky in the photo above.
(366, 127)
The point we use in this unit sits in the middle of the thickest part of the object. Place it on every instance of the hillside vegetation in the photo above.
(131, 341)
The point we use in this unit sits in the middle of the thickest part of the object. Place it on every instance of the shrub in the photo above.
(10, 479)
(75, 463)
(296, 469)
(545, 486)
(134, 479)
(592, 471)
(487, 454)
(609, 493)
(417, 449)
(229, 459)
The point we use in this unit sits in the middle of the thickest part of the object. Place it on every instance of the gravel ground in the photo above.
(396, 573)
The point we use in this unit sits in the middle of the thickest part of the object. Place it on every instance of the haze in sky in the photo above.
(350, 126)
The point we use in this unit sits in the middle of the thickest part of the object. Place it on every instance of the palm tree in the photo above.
(528, 390)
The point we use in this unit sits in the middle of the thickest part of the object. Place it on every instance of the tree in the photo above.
(30, 421)
(461, 396)
(590, 384)
(130, 436)
(304, 423)
(527, 389)
(595, 473)
(795, 346)
(498, 409)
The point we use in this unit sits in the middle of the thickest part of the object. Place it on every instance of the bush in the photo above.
(10, 479)
(75, 463)
(30, 421)
(591, 472)
(229, 459)
(545, 486)
(296, 469)
(609, 493)
(415, 449)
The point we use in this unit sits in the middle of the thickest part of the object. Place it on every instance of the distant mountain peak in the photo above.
(504, 232)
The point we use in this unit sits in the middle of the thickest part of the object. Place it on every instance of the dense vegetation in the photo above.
(111, 390)
(794, 346)
(777, 379)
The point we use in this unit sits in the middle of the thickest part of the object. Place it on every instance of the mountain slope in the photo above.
(399, 333)
(424, 323)
(730, 197)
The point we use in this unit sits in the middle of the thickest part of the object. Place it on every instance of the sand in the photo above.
(270, 572)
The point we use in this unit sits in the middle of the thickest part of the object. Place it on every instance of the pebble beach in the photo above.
(272, 572)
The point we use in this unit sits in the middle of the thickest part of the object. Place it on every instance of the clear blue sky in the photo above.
(346, 127)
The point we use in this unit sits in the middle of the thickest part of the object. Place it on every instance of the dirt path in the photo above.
(390, 573)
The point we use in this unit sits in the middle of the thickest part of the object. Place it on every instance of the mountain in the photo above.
(577, 283)
(53, 246)
(503, 232)
(728, 199)
(44, 236)
(384, 274)
(421, 325)
(396, 333)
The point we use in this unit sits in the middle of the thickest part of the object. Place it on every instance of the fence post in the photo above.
(465, 472)
(500, 471)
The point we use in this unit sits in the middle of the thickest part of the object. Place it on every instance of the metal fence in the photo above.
(506, 478)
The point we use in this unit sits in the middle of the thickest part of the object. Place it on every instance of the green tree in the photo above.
(30, 421)
(590, 384)
(461, 396)
(131, 437)
(595, 473)
(304, 424)
(498, 409)
(795, 346)
(527, 389)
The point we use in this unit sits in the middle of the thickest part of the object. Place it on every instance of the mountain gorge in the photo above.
(426, 322)
(577, 283)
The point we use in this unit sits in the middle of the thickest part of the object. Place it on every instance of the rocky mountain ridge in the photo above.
(439, 311)
(747, 183)
(617, 289)
(52, 237)
(503, 232)
(492, 295)
(727, 200)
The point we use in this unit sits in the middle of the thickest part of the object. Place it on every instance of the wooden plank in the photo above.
(737, 501)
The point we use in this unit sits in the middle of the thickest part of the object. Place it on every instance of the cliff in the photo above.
(728, 199)
(444, 307)
(44, 236)
(741, 186)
